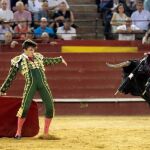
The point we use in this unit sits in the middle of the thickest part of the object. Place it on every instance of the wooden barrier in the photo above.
(86, 76)
(61, 43)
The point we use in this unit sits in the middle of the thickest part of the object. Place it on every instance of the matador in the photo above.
(32, 67)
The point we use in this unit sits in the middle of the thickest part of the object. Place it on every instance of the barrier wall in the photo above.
(82, 43)
(86, 76)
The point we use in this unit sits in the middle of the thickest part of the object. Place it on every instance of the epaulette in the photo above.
(38, 55)
(16, 60)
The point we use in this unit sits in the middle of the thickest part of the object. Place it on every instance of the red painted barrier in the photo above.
(85, 77)
(103, 108)
(60, 43)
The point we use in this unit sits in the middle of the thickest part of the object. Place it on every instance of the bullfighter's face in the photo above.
(30, 51)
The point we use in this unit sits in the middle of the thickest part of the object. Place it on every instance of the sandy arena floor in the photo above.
(89, 133)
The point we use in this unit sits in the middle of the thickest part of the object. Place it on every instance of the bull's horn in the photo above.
(116, 92)
(120, 65)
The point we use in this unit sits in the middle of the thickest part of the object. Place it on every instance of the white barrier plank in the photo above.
(96, 100)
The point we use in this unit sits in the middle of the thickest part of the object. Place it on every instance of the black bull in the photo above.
(139, 84)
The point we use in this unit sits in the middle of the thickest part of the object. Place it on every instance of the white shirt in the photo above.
(54, 3)
(141, 19)
(127, 37)
(66, 35)
(2, 32)
(6, 14)
(34, 6)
